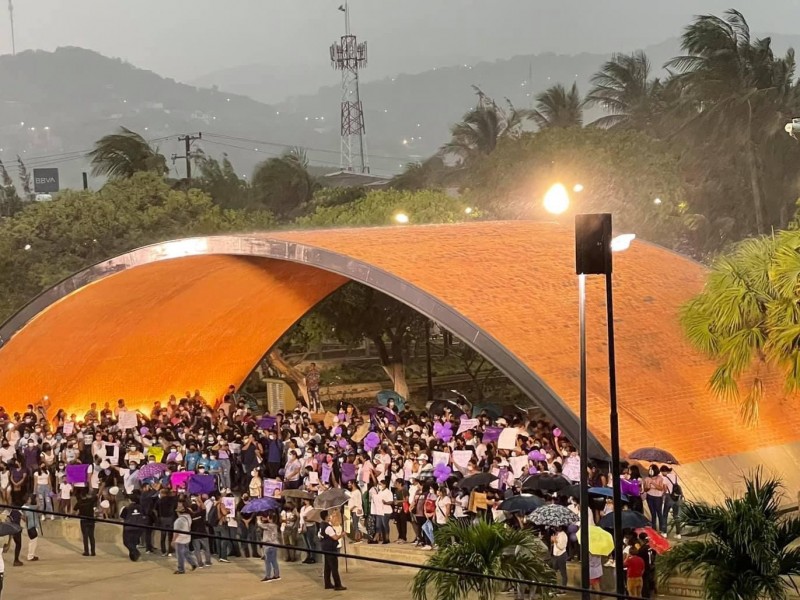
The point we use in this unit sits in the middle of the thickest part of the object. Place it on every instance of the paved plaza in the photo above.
(63, 573)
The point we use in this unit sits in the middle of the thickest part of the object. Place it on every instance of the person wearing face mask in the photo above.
(7, 452)
(274, 454)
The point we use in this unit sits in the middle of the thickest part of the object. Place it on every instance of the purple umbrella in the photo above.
(151, 470)
(258, 505)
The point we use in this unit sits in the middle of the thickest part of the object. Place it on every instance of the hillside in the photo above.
(69, 98)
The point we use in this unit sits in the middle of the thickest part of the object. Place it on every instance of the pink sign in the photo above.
(179, 479)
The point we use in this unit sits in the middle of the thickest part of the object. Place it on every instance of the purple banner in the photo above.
(491, 434)
(326, 474)
(348, 472)
(266, 423)
(629, 488)
(201, 484)
(77, 474)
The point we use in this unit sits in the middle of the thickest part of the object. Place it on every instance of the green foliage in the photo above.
(283, 185)
(622, 171)
(78, 229)
(121, 155)
(325, 197)
(220, 181)
(480, 549)
(428, 174)
(380, 208)
(747, 550)
(481, 129)
(10, 202)
(557, 107)
(747, 317)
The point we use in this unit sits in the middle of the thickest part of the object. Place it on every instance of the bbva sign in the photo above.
(45, 181)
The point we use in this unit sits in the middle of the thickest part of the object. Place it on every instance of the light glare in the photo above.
(401, 218)
(556, 200)
(622, 242)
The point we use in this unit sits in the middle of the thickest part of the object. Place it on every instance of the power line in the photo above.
(369, 559)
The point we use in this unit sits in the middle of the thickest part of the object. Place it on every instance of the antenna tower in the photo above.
(348, 56)
(11, 18)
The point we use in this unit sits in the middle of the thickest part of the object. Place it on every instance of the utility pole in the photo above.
(11, 18)
(348, 56)
(187, 139)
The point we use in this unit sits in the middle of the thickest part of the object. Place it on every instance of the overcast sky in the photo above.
(188, 38)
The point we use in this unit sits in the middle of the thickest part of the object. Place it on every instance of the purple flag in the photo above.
(77, 474)
(179, 478)
(326, 474)
(491, 434)
(201, 484)
(629, 488)
(348, 472)
(266, 423)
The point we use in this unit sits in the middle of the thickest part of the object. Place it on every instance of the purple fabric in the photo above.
(326, 474)
(179, 478)
(266, 423)
(491, 434)
(629, 488)
(77, 474)
(201, 484)
(348, 472)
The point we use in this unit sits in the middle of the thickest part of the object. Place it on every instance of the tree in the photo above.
(10, 202)
(220, 181)
(49, 241)
(747, 317)
(557, 107)
(480, 549)
(381, 206)
(25, 179)
(283, 185)
(482, 128)
(122, 155)
(624, 89)
(420, 175)
(356, 312)
(625, 172)
(747, 550)
(741, 95)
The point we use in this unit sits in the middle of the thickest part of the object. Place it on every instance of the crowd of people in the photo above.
(191, 468)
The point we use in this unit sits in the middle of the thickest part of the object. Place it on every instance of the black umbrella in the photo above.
(477, 480)
(332, 498)
(546, 482)
(438, 407)
(9, 528)
(656, 455)
(523, 504)
(631, 519)
(571, 491)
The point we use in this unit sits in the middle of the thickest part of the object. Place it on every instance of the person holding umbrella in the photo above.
(329, 540)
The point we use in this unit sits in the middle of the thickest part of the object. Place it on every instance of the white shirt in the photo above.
(560, 545)
(442, 510)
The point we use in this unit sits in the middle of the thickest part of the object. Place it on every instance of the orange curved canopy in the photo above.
(169, 322)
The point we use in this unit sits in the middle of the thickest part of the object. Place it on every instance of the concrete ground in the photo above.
(63, 573)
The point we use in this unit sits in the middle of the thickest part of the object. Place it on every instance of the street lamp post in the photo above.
(593, 251)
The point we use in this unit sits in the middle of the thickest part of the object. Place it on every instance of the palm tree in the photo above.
(744, 552)
(624, 89)
(741, 94)
(420, 175)
(283, 184)
(482, 128)
(475, 551)
(557, 107)
(120, 155)
(748, 319)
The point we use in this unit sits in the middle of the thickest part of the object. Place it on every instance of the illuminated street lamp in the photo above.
(556, 200)
(593, 250)
(401, 218)
(577, 188)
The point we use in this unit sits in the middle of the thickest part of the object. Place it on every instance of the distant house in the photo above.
(345, 179)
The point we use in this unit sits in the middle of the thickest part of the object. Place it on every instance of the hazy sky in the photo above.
(188, 38)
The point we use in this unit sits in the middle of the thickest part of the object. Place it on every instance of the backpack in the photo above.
(213, 517)
(429, 506)
(677, 491)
